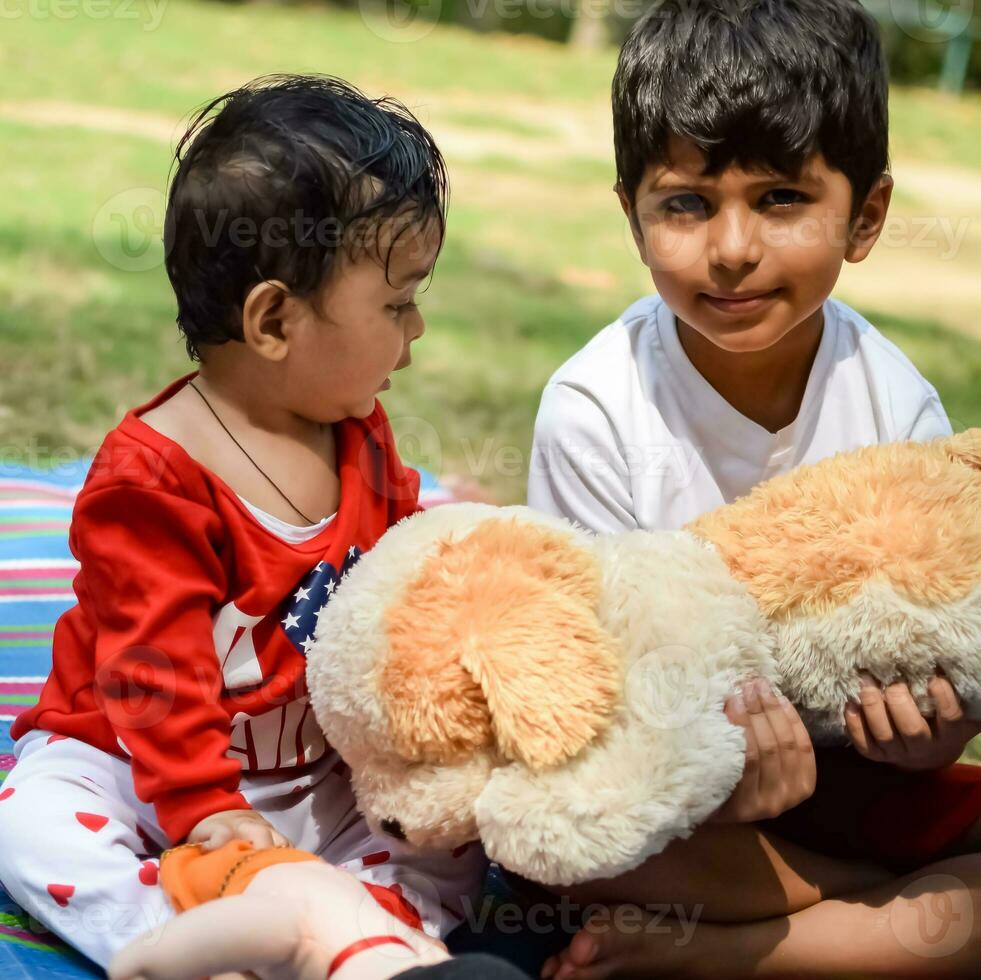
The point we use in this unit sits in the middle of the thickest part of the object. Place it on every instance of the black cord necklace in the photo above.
(191, 384)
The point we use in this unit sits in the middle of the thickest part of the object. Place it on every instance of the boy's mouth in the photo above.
(746, 302)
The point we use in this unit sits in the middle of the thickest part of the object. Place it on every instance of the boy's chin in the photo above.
(744, 338)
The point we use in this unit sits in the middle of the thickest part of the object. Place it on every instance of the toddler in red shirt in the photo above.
(218, 518)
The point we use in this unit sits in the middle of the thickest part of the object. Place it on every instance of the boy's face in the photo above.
(743, 257)
(346, 345)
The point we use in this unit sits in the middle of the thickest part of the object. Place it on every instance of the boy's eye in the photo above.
(685, 204)
(783, 197)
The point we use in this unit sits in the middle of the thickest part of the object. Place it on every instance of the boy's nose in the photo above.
(734, 239)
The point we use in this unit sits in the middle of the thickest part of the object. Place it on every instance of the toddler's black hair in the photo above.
(754, 83)
(274, 179)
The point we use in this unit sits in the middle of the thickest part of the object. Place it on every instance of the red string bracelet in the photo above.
(360, 946)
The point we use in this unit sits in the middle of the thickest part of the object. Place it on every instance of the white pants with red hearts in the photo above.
(78, 849)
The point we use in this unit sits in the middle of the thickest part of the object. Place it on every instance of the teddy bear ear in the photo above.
(965, 448)
(497, 643)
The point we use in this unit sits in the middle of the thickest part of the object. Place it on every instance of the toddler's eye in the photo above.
(397, 309)
(685, 204)
(783, 197)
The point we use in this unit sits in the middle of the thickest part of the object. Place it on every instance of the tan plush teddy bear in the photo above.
(498, 674)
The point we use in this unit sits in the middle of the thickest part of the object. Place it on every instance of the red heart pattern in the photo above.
(61, 893)
(149, 873)
(91, 821)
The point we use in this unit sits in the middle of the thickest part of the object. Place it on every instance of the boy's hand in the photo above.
(220, 828)
(887, 726)
(780, 769)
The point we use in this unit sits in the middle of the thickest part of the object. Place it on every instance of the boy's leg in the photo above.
(77, 850)
(925, 924)
(732, 873)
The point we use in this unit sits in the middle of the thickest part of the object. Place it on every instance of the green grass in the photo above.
(536, 261)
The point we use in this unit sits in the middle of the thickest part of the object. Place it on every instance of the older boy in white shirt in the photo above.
(752, 157)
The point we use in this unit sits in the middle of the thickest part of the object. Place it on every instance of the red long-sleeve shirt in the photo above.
(186, 650)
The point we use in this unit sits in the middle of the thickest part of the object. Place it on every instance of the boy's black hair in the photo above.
(288, 171)
(755, 83)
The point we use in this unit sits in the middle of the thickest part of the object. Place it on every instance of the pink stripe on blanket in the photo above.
(38, 526)
(39, 488)
(37, 590)
(39, 571)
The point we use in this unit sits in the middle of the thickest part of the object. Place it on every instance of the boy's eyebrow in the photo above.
(659, 182)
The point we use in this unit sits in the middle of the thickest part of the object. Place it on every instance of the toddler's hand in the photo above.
(887, 726)
(228, 825)
(780, 769)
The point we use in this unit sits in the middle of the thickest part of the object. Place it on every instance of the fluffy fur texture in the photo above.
(869, 560)
(501, 674)
(905, 514)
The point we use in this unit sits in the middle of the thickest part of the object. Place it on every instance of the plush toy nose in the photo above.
(393, 828)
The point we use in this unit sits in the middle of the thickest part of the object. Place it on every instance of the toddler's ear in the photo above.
(965, 448)
(497, 642)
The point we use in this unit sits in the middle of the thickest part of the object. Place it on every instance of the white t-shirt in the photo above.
(292, 533)
(629, 434)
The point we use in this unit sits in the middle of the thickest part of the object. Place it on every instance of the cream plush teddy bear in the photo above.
(497, 674)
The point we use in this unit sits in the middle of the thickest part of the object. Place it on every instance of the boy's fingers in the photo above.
(806, 758)
(949, 709)
(780, 723)
(768, 749)
(876, 715)
(858, 732)
(906, 717)
(801, 734)
(735, 709)
(751, 767)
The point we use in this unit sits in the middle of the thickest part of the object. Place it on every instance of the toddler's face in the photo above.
(360, 329)
(743, 257)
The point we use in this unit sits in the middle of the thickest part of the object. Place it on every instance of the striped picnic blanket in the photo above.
(36, 572)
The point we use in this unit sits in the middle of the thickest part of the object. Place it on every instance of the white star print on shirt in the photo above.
(291, 621)
(301, 593)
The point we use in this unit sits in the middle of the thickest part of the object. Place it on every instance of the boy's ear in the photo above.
(631, 212)
(264, 315)
(867, 227)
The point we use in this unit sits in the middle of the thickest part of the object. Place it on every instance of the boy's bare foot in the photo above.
(630, 942)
